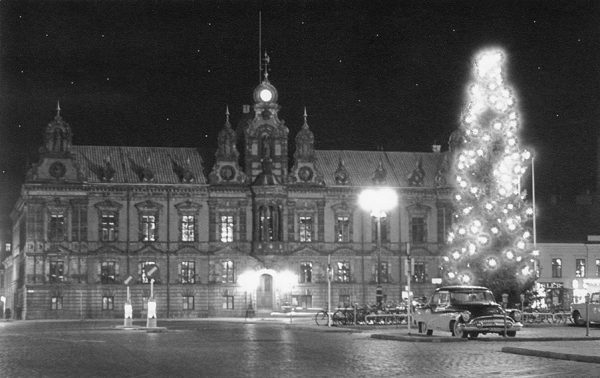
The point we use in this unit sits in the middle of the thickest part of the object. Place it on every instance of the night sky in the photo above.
(372, 74)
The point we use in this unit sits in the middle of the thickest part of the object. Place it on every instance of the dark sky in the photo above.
(371, 73)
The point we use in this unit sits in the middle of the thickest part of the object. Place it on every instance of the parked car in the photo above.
(578, 311)
(466, 311)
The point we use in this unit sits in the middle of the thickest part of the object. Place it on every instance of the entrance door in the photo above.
(264, 293)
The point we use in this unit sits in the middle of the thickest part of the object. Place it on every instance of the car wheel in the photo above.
(473, 335)
(457, 331)
(577, 319)
(511, 333)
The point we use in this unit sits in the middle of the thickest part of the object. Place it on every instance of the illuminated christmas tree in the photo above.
(489, 244)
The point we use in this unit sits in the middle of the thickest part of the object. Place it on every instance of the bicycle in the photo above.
(322, 318)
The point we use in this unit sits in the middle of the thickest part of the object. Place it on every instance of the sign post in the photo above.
(151, 319)
(128, 309)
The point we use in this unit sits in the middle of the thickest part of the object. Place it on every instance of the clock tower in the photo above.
(266, 137)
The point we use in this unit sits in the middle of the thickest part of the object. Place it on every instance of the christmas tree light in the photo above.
(489, 243)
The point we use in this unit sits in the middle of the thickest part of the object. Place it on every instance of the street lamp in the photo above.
(378, 201)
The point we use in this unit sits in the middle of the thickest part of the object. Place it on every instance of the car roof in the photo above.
(462, 288)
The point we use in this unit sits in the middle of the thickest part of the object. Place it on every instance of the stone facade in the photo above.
(94, 223)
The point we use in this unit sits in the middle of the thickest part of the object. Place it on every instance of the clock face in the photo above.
(265, 95)
(227, 172)
(57, 169)
(305, 174)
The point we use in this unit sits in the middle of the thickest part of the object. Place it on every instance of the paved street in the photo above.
(263, 348)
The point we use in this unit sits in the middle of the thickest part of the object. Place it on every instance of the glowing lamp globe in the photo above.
(378, 201)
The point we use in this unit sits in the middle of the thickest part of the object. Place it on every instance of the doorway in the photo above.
(264, 293)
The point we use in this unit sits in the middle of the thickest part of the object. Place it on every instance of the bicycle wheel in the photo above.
(321, 318)
(338, 318)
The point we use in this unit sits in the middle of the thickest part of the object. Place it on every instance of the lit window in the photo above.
(56, 227)
(556, 268)
(305, 228)
(148, 228)
(343, 271)
(306, 272)
(188, 302)
(188, 228)
(226, 228)
(228, 300)
(57, 271)
(342, 229)
(188, 272)
(108, 302)
(108, 227)
(227, 272)
(579, 267)
(269, 223)
(56, 303)
(107, 272)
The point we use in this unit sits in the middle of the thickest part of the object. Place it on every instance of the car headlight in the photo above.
(516, 315)
(466, 316)
(479, 324)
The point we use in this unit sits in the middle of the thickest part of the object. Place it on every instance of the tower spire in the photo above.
(58, 108)
(267, 60)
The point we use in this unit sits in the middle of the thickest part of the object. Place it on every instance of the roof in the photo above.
(163, 165)
(361, 166)
(461, 288)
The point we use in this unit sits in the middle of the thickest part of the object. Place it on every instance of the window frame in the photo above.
(343, 271)
(580, 267)
(306, 268)
(105, 270)
(108, 302)
(556, 264)
(306, 227)
(184, 271)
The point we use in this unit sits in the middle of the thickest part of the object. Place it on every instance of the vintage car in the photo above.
(466, 311)
(579, 311)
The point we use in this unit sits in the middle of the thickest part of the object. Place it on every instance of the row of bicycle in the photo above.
(372, 316)
(361, 316)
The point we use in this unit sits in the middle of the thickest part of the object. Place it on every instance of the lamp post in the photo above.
(377, 201)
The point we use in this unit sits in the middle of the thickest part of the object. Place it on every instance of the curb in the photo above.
(433, 339)
(555, 355)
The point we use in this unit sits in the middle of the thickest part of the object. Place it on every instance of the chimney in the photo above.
(245, 109)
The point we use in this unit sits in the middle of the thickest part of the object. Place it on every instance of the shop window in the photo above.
(419, 273)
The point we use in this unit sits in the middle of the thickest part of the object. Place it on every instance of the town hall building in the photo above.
(264, 230)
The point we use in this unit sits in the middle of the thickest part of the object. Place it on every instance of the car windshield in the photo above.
(471, 296)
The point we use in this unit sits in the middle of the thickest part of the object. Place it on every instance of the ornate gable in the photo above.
(304, 171)
(227, 169)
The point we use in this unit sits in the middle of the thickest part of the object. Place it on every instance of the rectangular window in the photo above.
(188, 228)
(7, 247)
(108, 303)
(145, 266)
(343, 271)
(444, 224)
(305, 229)
(303, 301)
(579, 267)
(56, 303)
(148, 228)
(188, 272)
(384, 268)
(384, 230)
(108, 272)
(344, 300)
(188, 302)
(226, 228)
(57, 271)
(417, 228)
(108, 227)
(597, 267)
(556, 268)
(306, 272)
(342, 229)
(419, 275)
(228, 300)
(227, 272)
(56, 227)
(79, 223)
